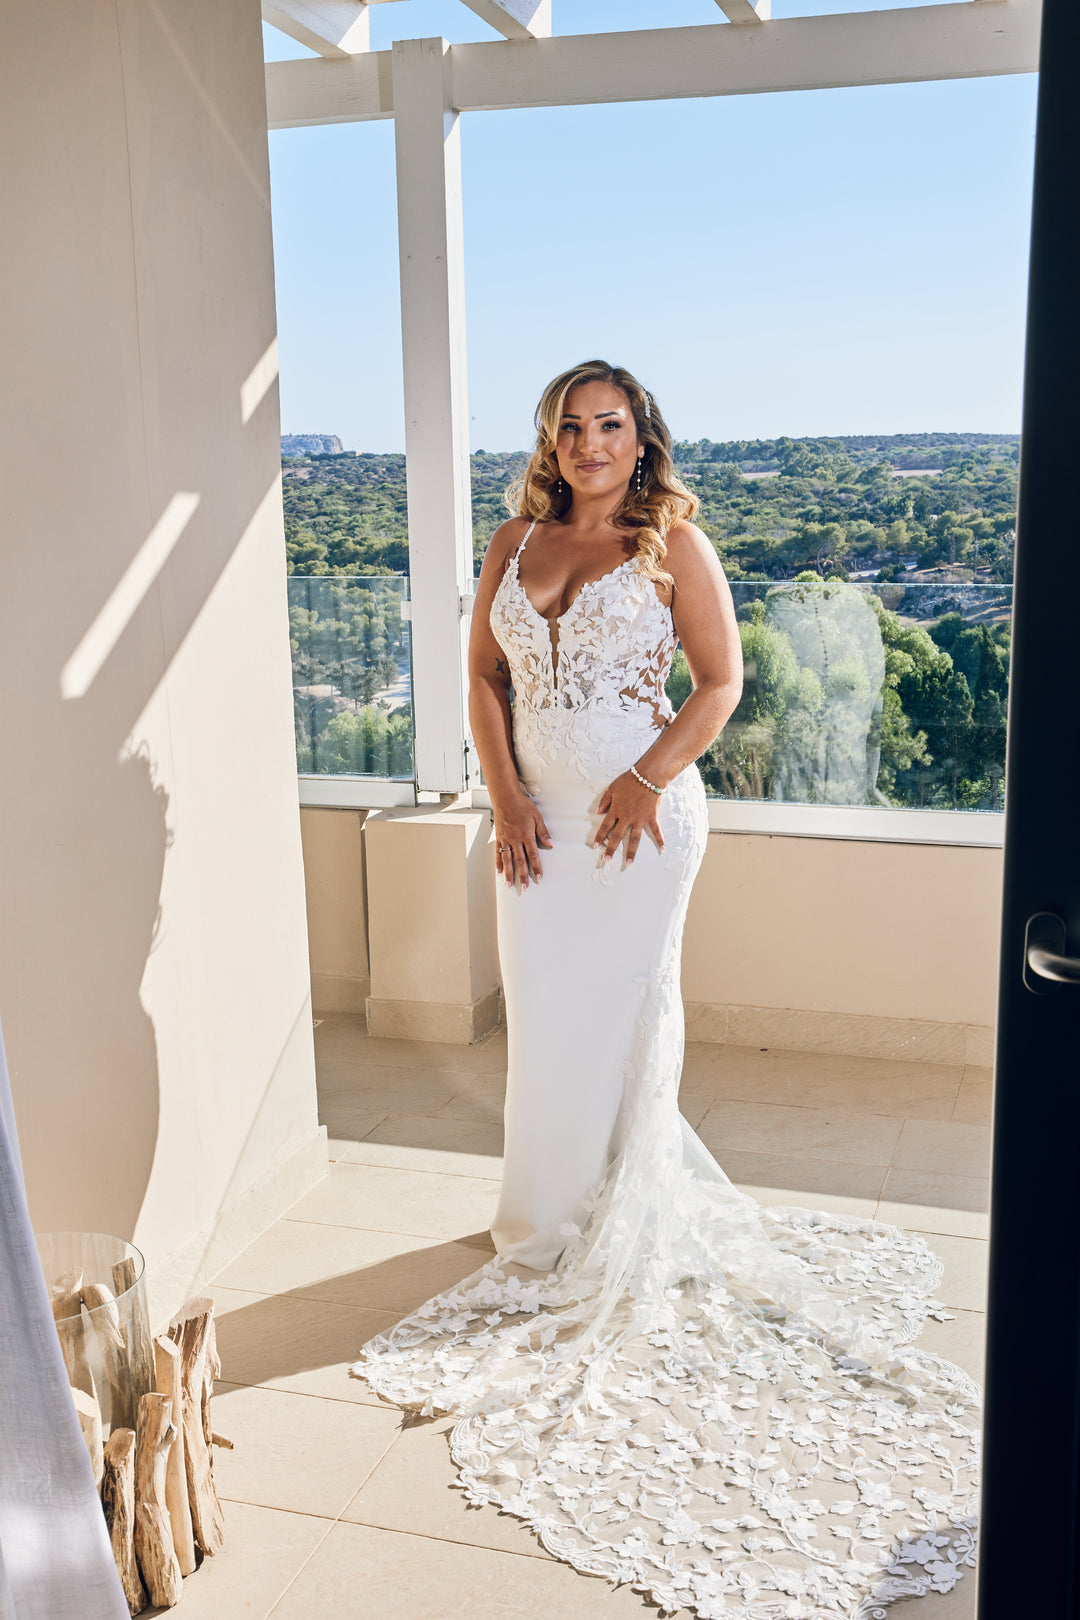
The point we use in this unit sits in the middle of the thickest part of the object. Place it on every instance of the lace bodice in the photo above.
(596, 671)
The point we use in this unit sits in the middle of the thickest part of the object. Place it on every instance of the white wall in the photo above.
(153, 960)
(834, 944)
(832, 925)
(336, 908)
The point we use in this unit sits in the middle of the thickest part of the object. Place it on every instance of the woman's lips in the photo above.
(590, 466)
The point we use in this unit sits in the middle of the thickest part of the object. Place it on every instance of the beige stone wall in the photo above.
(831, 944)
(900, 938)
(836, 925)
(333, 843)
(431, 924)
(153, 957)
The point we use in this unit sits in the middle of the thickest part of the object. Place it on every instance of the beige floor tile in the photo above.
(305, 1346)
(930, 1201)
(413, 1489)
(386, 1200)
(385, 1089)
(360, 1571)
(806, 1133)
(488, 1055)
(346, 1125)
(825, 1080)
(842, 1189)
(930, 1144)
(482, 1098)
(976, 1071)
(963, 1340)
(264, 1549)
(963, 1286)
(974, 1102)
(694, 1108)
(344, 1036)
(698, 1059)
(385, 1271)
(447, 1145)
(297, 1452)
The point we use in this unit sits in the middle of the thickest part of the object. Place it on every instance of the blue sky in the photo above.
(843, 261)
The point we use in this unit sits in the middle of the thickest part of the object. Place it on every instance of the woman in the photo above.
(673, 1387)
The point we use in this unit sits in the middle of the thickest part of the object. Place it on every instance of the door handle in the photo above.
(1046, 967)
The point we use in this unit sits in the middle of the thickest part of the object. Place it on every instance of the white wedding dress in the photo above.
(675, 1388)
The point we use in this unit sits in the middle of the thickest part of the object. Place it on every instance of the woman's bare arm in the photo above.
(519, 826)
(705, 623)
(704, 618)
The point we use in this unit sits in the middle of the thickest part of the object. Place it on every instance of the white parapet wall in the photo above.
(154, 987)
(842, 945)
(845, 945)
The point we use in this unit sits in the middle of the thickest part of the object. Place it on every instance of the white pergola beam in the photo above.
(797, 53)
(334, 28)
(427, 144)
(517, 19)
(746, 11)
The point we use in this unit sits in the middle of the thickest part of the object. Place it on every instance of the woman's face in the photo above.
(597, 445)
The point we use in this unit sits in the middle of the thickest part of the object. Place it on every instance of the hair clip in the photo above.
(648, 404)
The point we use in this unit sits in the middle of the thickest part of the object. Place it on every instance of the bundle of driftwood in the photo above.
(156, 1470)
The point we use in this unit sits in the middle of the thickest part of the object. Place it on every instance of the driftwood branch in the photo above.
(104, 1315)
(89, 1414)
(118, 1500)
(193, 1331)
(71, 1330)
(153, 1533)
(167, 1370)
(140, 1353)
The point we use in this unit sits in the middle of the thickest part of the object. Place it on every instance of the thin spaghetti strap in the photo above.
(528, 531)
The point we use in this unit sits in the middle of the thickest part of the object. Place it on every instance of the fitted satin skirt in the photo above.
(575, 951)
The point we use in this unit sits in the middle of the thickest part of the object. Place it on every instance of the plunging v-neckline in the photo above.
(554, 622)
(557, 618)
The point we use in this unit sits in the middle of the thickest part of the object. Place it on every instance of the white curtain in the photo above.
(55, 1559)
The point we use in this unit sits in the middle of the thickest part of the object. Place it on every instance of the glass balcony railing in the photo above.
(352, 675)
(875, 693)
(861, 693)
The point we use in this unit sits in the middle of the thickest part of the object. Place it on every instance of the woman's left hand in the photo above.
(628, 810)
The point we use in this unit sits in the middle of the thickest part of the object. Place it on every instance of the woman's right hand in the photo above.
(520, 834)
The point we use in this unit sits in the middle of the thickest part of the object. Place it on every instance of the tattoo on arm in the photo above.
(500, 666)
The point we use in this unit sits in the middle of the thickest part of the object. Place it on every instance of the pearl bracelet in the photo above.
(644, 780)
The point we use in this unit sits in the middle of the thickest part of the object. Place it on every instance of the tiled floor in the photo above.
(334, 1508)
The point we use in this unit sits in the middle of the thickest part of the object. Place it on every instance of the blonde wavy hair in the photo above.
(648, 513)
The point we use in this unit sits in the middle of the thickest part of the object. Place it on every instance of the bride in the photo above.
(716, 1403)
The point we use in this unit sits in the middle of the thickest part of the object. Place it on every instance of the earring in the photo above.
(639, 461)
(559, 486)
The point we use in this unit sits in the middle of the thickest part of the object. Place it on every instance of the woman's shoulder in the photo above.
(505, 540)
(686, 546)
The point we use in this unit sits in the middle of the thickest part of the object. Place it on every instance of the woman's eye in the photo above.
(568, 427)
(612, 425)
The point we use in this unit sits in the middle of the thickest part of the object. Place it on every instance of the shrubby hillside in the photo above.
(771, 507)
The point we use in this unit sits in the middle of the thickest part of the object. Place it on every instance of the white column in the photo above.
(430, 239)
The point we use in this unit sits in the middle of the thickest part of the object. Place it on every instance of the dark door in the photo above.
(1028, 1562)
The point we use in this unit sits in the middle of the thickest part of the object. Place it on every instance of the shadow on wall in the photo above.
(85, 889)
